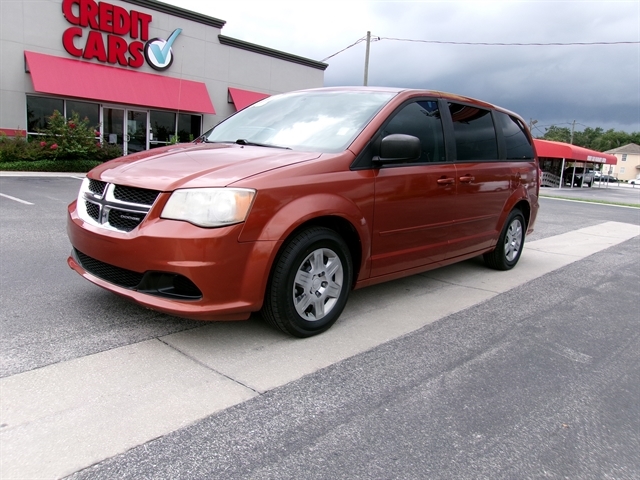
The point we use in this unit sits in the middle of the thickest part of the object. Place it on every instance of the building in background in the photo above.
(148, 73)
(628, 161)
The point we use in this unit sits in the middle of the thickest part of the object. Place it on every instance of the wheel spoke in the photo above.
(302, 302)
(317, 262)
(333, 290)
(304, 280)
(318, 307)
(333, 266)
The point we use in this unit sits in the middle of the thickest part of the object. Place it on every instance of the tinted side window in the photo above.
(517, 141)
(422, 120)
(474, 133)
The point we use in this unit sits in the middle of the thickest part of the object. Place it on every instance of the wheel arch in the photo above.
(518, 200)
(524, 206)
(332, 211)
(342, 227)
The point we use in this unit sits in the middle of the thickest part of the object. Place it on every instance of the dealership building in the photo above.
(148, 73)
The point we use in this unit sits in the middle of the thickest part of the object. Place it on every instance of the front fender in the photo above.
(278, 226)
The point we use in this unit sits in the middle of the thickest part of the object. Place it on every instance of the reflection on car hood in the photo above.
(195, 165)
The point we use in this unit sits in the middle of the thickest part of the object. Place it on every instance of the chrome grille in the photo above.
(116, 207)
(97, 187)
(135, 195)
(93, 210)
(125, 221)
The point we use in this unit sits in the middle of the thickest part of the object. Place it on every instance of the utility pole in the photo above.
(366, 60)
(573, 127)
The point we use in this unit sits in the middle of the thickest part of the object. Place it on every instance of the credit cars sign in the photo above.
(99, 32)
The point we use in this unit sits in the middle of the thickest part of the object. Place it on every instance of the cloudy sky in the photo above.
(594, 85)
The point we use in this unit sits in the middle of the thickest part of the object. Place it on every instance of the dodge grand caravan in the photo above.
(288, 205)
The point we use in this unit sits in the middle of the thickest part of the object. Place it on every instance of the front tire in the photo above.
(510, 243)
(309, 283)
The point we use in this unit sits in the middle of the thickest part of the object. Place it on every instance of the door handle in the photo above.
(467, 179)
(446, 181)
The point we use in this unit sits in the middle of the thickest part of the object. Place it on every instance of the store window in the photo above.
(39, 109)
(189, 127)
(163, 128)
(90, 111)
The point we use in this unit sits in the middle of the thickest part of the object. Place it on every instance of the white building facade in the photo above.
(145, 72)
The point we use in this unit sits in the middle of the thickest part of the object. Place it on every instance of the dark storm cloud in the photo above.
(596, 85)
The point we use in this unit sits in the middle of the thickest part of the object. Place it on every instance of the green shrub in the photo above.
(72, 139)
(63, 140)
(17, 149)
(78, 166)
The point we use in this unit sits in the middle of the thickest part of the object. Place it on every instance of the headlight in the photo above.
(209, 207)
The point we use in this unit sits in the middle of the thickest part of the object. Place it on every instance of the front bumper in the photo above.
(175, 267)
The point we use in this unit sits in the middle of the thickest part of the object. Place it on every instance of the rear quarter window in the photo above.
(517, 141)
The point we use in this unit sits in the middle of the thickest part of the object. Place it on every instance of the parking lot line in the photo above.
(15, 199)
(65, 417)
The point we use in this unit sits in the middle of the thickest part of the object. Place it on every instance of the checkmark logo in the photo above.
(158, 51)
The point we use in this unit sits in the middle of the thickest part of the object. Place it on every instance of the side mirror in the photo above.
(399, 148)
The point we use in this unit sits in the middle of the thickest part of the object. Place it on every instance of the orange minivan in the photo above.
(291, 203)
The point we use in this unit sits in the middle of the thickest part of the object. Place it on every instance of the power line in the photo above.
(484, 44)
(360, 40)
(499, 44)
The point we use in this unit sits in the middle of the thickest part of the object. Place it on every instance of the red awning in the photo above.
(76, 78)
(548, 149)
(244, 98)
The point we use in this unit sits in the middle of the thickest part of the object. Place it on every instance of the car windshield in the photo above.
(319, 121)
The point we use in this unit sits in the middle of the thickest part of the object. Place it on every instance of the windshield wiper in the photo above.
(242, 141)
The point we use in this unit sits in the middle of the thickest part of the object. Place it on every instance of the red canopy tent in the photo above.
(554, 155)
(568, 152)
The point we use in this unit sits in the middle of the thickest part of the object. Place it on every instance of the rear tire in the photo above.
(309, 283)
(510, 243)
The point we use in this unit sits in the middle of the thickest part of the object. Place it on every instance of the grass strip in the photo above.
(79, 166)
(590, 200)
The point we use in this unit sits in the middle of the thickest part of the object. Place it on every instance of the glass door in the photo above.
(126, 128)
(113, 127)
(136, 131)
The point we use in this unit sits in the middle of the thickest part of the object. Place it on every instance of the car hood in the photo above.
(195, 165)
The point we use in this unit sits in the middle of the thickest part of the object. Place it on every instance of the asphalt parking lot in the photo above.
(605, 192)
(457, 373)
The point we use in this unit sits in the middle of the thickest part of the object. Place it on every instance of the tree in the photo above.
(593, 138)
(557, 134)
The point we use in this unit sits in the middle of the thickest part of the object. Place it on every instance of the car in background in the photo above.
(607, 178)
(635, 181)
(289, 204)
(578, 175)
